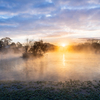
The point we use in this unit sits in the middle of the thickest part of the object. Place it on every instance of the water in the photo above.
(51, 67)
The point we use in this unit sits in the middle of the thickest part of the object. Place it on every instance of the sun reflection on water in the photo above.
(63, 59)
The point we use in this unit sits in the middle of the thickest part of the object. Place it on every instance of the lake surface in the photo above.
(51, 67)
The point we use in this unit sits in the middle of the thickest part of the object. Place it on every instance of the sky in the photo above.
(50, 20)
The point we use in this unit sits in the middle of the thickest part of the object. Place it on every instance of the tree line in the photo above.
(6, 44)
(30, 47)
(37, 48)
(85, 47)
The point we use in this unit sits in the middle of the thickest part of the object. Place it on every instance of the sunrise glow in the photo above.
(63, 45)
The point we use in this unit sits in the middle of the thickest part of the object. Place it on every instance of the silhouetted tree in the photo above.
(18, 44)
(6, 41)
(38, 48)
(1, 44)
(13, 45)
(27, 45)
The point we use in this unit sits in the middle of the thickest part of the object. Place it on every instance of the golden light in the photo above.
(63, 45)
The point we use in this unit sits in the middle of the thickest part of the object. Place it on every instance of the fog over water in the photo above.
(52, 67)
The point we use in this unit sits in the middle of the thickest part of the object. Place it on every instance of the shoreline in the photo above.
(49, 90)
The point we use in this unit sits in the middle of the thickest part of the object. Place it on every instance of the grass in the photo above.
(48, 90)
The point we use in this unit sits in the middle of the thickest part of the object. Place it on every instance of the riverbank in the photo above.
(49, 90)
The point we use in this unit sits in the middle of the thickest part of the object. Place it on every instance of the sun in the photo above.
(63, 45)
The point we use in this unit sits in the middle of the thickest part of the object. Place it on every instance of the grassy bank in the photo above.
(48, 90)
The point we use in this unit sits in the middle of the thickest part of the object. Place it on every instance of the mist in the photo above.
(53, 66)
(40, 61)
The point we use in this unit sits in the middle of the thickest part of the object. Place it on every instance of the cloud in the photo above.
(48, 18)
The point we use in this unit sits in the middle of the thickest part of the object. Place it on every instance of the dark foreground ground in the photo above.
(48, 90)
